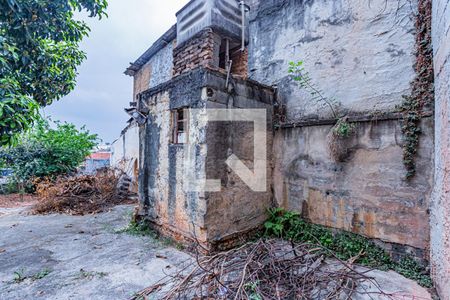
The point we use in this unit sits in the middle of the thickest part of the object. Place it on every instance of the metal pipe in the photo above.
(227, 52)
(242, 4)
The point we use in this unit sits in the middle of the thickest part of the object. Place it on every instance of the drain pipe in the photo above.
(244, 8)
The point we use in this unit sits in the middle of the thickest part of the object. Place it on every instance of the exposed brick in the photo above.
(198, 51)
(240, 63)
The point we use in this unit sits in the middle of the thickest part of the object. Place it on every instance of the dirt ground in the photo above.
(88, 257)
(17, 200)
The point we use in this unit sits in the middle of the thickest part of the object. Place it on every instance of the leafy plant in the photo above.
(302, 77)
(19, 276)
(344, 245)
(39, 56)
(41, 274)
(48, 152)
(90, 274)
(138, 229)
(252, 289)
(422, 88)
(343, 128)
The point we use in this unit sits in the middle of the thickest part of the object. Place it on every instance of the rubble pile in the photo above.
(79, 195)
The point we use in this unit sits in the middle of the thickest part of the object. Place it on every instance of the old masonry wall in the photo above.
(363, 56)
(440, 205)
(215, 219)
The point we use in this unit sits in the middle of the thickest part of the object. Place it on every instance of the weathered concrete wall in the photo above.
(214, 217)
(125, 153)
(141, 79)
(440, 206)
(161, 174)
(117, 151)
(363, 56)
(162, 65)
(365, 194)
(237, 209)
(359, 52)
(156, 71)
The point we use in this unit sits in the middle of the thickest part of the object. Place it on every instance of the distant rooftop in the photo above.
(100, 156)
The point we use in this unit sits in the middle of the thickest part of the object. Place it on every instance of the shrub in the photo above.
(48, 152)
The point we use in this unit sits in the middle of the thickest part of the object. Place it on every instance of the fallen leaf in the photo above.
(2, 250)
(161, 256)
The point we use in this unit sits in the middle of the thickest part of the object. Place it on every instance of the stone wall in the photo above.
(440, 206)
(363, 57)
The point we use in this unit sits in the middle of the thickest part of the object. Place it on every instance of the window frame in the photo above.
(175, 126)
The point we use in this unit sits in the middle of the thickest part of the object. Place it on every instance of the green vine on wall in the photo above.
(422, 94)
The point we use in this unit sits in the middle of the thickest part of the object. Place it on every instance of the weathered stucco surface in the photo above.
(359, 52)
(440, 206)
(365, 194)
(362, 55)
(125, 153)
(210, 217)
(156, 71)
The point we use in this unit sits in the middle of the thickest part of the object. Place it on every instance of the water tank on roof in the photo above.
(224, 15)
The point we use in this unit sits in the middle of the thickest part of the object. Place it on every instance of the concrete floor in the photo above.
(67, 257)
(85, 257)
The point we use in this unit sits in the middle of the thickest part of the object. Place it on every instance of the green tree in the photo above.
(39, 56)
(47, 152)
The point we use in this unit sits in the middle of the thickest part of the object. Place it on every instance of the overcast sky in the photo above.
(103, 90)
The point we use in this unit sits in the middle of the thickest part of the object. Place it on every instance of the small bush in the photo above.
(47, 152)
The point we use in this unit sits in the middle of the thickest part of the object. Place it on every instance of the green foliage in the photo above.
(41, 274)
(143, 229)
(409, 268)
(422, 88)
(343, 128)
(48, 152)
(251, 289)
(344, 245)
(138, 229)
(302, 77)
(90, 274)
(10, 187)
(39, 56)
(19, 276)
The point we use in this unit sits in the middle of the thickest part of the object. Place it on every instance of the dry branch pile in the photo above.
(267, 269)
(78, 195)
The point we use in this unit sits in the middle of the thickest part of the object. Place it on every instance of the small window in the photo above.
(179, 123)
